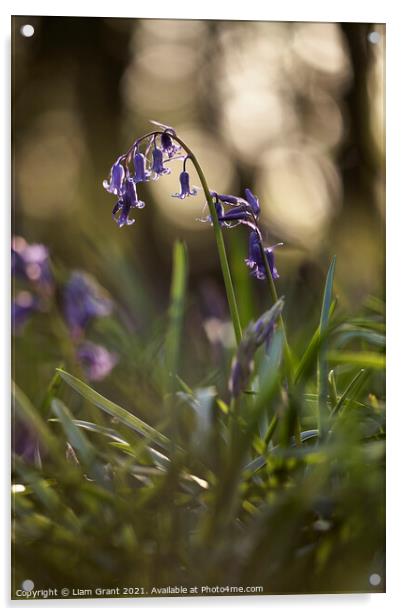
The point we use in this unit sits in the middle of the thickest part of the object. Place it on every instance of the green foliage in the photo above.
(182, 485)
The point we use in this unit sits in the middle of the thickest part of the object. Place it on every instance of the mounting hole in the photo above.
(375, 579)
(28, 585)
(27, 30)
(374, 37)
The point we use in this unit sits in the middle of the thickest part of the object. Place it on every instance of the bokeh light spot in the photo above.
(17, 488)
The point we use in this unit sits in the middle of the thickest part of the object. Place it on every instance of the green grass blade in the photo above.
(97, 429)
(350, 389)
(24, 408)
(50, 393)
(85, 451)
(333, 393)
(375, 304)
(322, 365)
(364, 359)
(271, 430)
(349, 333)
(40, 486)
(310, 355)
(176, 308)
(377, 326)
(116, 411)
(269, 381)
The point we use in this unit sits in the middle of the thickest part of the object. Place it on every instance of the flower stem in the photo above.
(288, 355)
(234, 312)
(272, 288)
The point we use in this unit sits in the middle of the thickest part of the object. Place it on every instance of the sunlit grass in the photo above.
(175, 484)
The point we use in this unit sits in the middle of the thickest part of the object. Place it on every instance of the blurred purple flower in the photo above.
(128, 199)
(97, 362)
(84, 300)
(117, 173)
(31, 262)
(185, 186)
(157, 163)
(23, 306)
(255, 260)
(254, 336)
(25, 441)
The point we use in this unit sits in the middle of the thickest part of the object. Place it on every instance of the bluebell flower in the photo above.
(237, 213)
(115, 183)
(220, 211)
(141, 174)
(23, 306)
(97, 362)
(255, 260)
(25, 441)
(254, 336)
(31, 262)
(157, 163)
(185, 186)
(239, 376)
(84, 300)
(124, 209)
(128, 199)
(253, 202)
(243, 208)
(167, 144)
(240, 209)
(229, 199)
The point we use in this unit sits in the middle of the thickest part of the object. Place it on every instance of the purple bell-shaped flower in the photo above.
(255, 260)
(117, 173)
(157, 163)
(185, 190)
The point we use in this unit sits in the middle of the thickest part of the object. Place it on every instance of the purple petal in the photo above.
(96, 360)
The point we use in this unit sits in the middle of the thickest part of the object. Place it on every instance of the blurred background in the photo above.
(295, 111)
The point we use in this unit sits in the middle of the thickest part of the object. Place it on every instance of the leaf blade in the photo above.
(322, 364)
(116, 411)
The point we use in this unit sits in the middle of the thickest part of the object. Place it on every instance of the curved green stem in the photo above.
(234, 312)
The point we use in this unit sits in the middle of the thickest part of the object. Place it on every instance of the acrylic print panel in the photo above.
(198, 406)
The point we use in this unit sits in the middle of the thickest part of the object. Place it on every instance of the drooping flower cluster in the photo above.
(232, 211)
(256, 334)
(82, 301)
(146, 160)
(138, 166)
(30, 262)
(33, 280)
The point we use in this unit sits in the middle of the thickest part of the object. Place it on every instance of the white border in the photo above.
(308, 10)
